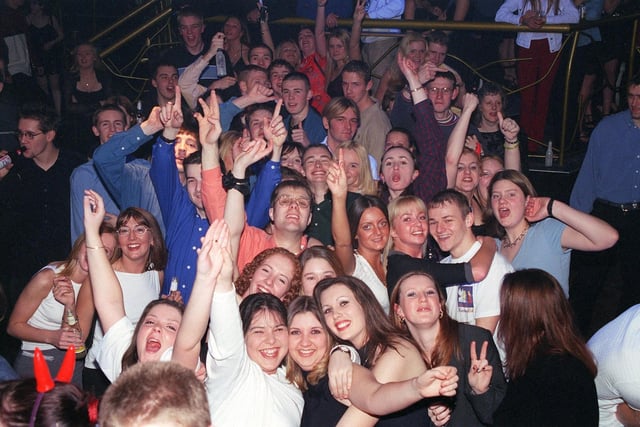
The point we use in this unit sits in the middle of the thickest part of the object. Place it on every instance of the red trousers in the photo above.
(534, 63)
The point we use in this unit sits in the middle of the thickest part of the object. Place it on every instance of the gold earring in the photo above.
(441, 313)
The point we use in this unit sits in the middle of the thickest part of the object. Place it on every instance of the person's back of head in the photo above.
(63, 405)
(155, 393)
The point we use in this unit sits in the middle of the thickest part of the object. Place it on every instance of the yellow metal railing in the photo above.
(572, 31)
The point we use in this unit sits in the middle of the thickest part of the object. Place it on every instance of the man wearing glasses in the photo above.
(34, 202)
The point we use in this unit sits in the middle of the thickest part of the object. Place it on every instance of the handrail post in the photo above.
(122, 20)
(632, 50)
(565, 101)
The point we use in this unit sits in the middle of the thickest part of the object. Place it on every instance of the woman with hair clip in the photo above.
(539, 232)
(551, 372)
(352, 316)
(138, 264)
(420, 309)
(307, 365)
(48, 298)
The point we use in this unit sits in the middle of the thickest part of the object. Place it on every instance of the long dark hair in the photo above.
(130, 356)
(536, 320)
(260, 302)
(357, 208)
(381, 334)
(447, 344)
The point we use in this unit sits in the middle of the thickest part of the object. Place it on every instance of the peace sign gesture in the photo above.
(209, 125)
(481, 371)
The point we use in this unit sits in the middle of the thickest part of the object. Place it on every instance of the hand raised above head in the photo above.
(209, 127)
(93, 210)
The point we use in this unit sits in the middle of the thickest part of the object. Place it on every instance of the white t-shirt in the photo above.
(468, 302)
(114, 343)
(138, 290)
(239, 392)
(616, 349)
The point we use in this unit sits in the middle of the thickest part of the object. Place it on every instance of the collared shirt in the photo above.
(35, 206)
(611, 167)
(83, 177)
(320, 226)
(374, 125)
(128, 183)
(184, 225)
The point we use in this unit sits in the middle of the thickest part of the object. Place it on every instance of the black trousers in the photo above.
(591, 270)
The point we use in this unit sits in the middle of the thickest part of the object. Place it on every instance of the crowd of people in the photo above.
(264, 242)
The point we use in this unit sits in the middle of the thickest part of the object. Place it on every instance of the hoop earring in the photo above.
(441, 314)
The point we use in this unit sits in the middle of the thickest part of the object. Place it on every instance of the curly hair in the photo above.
(244, 281)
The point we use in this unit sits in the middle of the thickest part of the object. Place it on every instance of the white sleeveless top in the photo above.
(364, 272)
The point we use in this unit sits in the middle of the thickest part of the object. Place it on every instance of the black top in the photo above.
(36, 210)
(320, 408)
(398, 264)
(470, 410)
(556, 390)
(334, 88)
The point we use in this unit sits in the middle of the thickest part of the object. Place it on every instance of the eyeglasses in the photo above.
(138, 230)
(286, 201)
(440, 90)
(28, 134)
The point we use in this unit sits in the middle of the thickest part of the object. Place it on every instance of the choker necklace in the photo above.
(506, 243)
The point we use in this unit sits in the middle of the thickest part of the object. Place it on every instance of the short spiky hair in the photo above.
(45, 115)
(452, 196)
(155, 392)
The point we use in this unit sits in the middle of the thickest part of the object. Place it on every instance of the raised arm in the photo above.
(270, 175)
(583, 232)
(234, 213)
(265, 30)
(188, 81)
(214, 262)
(510, 130)
(355, 53)
(163, 171)
(337, 181)
(107, 294)
(456, 141)
(110, 158)
(321, 40)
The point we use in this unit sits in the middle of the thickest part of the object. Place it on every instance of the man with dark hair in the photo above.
(35, 197)
(608, 186)
(277, 71)
(374, 123)
(261, 55)
(303, 122)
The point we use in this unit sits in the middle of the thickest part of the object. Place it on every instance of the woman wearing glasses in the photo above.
(138, 264)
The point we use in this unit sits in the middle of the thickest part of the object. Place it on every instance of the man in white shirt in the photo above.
(450, 221)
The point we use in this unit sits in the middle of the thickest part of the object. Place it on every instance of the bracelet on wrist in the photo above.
(515, 141)
(353, 354)
(550, 207)
(94, 247)
(511, 146)
(418, 89)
